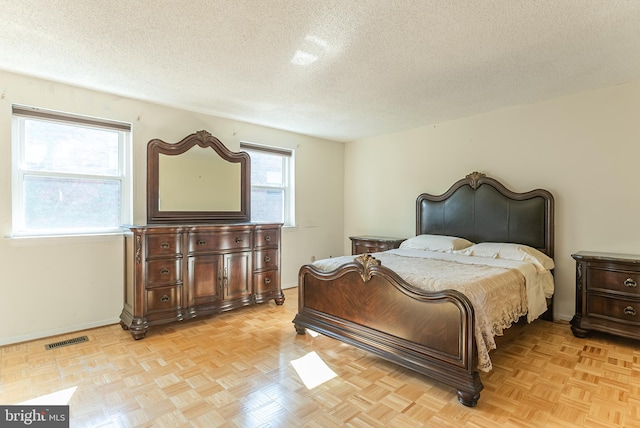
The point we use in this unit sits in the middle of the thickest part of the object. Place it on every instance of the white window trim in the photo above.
(289, 171)
(19, 113)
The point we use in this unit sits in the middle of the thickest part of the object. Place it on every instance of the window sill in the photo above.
(40, 240)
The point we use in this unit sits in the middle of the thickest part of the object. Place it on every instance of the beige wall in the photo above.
(584, 148)
(55, 285)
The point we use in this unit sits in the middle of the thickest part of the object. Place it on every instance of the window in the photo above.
(71, 174)
(271, 184)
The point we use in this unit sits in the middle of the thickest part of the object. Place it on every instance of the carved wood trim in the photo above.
(203, 139)
(579, 276)
(368, 262)
(475, 178)
(138, 249)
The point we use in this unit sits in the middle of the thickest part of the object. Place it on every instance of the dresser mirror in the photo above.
(197, 180)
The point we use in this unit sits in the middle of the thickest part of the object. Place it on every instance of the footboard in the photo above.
(369, 306)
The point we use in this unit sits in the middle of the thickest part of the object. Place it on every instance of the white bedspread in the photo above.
(501, 291)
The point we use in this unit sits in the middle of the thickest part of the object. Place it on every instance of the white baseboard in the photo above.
(55, 332)
(563, 317)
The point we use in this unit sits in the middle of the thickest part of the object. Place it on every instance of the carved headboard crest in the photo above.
(475, 177)
(203, 135)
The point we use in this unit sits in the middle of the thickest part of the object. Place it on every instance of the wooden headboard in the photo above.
(481, 209)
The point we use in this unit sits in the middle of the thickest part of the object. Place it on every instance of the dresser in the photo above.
(607, 294)
(177, 272)
(373, 244)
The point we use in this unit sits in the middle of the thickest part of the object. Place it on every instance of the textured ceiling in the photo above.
(339, 69)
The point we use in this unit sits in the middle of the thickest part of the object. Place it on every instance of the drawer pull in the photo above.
(165, 245)
(630, 283)
(267, 238)
(202, 242)
(267, 259)
(629, 311)
(165, 298)
(238, 240)
(267, 281)
(164, 271)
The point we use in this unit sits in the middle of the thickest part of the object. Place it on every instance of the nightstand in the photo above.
(373, 244)
(607, 294)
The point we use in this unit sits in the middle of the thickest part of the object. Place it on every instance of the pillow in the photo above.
(519, 252)
(435, 243)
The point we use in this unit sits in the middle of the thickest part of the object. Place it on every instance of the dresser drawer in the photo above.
(267, 238)
(266, 281)
(266, 259)
(163, 272)
(163, 244)
(623, 310)
(163, 299)
(623, 281)
(202, 242)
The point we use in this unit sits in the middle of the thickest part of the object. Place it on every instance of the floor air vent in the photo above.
(66, 342)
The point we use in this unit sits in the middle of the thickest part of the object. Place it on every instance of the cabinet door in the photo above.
(206, 279)
(237, 275)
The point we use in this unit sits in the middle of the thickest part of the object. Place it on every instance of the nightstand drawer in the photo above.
(369, 247)
(373, 244)
(623, 310)
(623, 281)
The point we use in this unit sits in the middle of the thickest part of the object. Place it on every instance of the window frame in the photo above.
(288, 158)
(21, 114)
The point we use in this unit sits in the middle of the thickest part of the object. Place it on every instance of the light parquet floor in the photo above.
(234, 370)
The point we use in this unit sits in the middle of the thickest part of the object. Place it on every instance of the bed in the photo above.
(363, 302)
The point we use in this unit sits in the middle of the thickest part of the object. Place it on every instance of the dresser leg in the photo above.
(577, 331)
(137, 335)
(138, 328)
(469, 399)
(279, 300)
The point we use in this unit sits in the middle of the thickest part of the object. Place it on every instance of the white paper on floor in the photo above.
(312, 370)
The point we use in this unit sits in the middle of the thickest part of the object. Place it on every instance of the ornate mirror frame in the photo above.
(203, 139)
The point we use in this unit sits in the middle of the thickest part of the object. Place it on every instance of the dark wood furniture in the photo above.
(175, 273)
(367, 305)
(188, 261)
(607, 294)
(373, 244)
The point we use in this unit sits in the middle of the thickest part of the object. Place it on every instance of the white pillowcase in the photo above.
(436, 243)
(519, 252)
